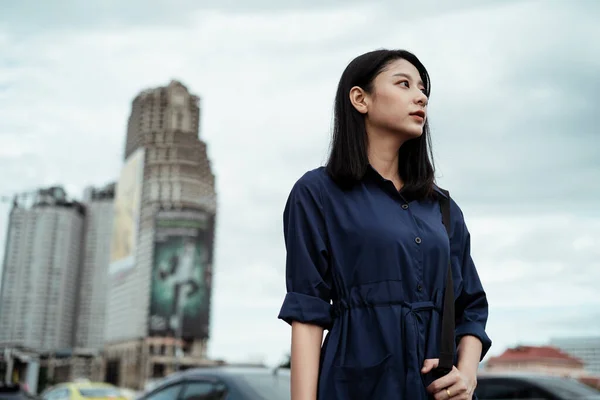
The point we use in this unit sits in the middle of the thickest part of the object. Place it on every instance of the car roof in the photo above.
(224, 371)
(524, 376)
(225, 374)
(79, 385)
(91, 385)
(535, 379)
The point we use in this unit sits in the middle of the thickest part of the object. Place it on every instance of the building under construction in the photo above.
(158, 303)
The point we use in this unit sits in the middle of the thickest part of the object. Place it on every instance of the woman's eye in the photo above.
(405, 83)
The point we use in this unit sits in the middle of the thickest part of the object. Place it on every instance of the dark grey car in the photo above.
(531, 386)
(14, 392)
(223, 383)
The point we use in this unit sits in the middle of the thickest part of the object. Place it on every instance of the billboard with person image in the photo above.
(181, 274)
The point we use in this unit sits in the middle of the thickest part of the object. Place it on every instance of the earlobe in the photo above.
(358, 98)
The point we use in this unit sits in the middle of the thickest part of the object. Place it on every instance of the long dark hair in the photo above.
(348, 160)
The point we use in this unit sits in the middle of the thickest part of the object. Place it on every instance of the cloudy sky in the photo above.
(514, 108)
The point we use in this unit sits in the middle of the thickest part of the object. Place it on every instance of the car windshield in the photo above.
(570, 389)
(97, 392)
(269, 386)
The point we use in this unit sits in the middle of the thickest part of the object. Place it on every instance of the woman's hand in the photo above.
(454, 386)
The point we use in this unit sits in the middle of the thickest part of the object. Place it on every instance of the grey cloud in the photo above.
(20, 173)
(585, 321)
(538, 257)
(548, 244)
(523, 325)
(533, 140)
(30, 17)
(267, 111)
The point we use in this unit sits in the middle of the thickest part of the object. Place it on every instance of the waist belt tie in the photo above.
(416, 336)
(339, 306)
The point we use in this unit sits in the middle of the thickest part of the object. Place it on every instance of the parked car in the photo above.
(82, 391)
(14, 392)
(223, 383)
(128, 393)
(531, 386)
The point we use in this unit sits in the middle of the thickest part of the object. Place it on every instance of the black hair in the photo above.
(348, 160)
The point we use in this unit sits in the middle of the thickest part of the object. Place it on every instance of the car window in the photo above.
(569, 388)
(99, 392)
(508, 390)
(202, 390)
(46, 393)
(58, 394)
(167, 393)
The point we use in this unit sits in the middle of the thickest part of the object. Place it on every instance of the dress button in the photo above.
(418, 240)
(405, 206)
(419, 288)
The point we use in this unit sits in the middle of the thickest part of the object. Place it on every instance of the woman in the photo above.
(367, 252)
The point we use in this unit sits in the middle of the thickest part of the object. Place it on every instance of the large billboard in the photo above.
(128, 197)
(181, 274)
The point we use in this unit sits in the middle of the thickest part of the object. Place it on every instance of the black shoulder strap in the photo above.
(447, 338)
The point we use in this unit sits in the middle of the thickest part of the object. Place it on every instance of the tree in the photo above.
(287, 363)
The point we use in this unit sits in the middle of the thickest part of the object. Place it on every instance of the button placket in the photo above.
(419, 286)
(420, 290)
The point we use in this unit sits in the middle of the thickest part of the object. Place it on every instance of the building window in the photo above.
(179, 120)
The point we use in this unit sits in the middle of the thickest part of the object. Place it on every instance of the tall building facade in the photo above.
(91, 311)
(53, 297)
(585, 348)
(41, 272)
(161, 254)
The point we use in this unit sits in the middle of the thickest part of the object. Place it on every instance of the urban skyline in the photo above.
(125, 237)
(512, 125)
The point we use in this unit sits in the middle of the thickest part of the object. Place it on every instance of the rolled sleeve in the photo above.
(308, 280)
(307, 309)
(471, 302)
(477, 330)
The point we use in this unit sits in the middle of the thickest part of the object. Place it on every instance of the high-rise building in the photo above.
(585, 348)
(99, 204)
(53, 297)
(162, 243)
(41, 272)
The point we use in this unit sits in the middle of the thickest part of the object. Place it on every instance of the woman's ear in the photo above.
(359, 99)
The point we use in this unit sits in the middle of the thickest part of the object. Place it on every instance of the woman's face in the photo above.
(397, 102)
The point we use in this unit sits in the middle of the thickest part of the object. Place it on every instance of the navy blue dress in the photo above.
(370, 267)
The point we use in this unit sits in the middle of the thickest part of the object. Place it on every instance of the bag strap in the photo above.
(448, 327)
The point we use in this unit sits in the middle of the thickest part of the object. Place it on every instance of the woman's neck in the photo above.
(383, 156)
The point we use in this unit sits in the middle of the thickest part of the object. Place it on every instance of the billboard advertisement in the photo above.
(181, 274)
(128, 197)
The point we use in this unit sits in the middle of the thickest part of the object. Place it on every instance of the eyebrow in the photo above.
(408, 77)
